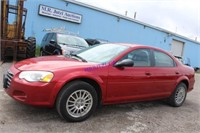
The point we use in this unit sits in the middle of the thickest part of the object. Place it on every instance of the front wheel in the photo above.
(57, 52)
(77, 101)
(178, 96)
(42, 53)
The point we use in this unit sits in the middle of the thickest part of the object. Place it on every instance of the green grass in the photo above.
(37, 52)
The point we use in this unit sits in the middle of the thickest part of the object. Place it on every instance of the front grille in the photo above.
(8, 79)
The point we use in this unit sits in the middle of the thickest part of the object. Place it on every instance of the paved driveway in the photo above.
(155, 116)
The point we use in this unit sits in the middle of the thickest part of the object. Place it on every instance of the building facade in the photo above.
(92, 22)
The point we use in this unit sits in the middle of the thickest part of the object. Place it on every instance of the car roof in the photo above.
(136, 45)
(141, 46)
(66, 34)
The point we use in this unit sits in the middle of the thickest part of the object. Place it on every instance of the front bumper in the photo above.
(33, 93)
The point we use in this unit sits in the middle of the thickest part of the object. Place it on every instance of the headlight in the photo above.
(65, 52)
(34, 76)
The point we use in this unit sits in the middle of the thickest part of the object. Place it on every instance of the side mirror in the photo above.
(52, 41)
(124, 63)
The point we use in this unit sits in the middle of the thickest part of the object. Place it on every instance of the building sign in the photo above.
(59, 14)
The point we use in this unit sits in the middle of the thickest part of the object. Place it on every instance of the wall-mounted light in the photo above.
(165, 39)
(118, 19)
(168, 34)
(67, 4)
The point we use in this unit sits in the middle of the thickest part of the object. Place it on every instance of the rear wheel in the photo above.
(57, 52)
(178, 96)
(77, 101)
(31, 47)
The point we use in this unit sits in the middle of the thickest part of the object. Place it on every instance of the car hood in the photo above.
(68, 49)
(49, 63)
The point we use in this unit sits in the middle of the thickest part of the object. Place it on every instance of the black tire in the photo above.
(57, 52)
(68, 94)
(31, 47)
(174, 100)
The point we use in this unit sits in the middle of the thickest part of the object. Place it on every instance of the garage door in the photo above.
(177, 48)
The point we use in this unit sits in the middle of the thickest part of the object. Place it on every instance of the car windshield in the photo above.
(102, 53)
(71, 40)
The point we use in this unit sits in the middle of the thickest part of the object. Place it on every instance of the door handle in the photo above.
(177, 73)
(148, 73)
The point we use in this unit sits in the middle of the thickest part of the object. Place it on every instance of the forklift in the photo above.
(13, 43)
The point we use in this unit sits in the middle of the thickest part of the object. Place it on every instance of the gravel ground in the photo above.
(147, 117)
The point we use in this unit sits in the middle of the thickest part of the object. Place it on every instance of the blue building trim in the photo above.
(106, 25)
(127, 18)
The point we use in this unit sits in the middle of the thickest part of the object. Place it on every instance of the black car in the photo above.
(92, 42)
(197, 69)
(58, 43)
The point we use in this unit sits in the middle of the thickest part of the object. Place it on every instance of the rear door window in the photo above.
(163, 60)
(54, 37)
(45, 38)
(49, 37)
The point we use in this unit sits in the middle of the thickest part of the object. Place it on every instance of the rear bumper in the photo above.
(191, 85)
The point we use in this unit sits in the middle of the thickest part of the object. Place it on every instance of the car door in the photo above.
(44, 40)
(50, 47)
(165, 73)
(131, 83)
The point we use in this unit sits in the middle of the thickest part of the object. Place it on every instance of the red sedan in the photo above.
(103, 74)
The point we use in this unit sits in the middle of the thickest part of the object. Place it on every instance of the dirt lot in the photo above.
(155, 117)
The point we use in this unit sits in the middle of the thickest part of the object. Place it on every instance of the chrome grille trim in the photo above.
(9, 78)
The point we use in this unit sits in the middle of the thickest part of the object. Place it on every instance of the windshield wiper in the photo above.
(79, 46)
(64, 43)
(79, 57)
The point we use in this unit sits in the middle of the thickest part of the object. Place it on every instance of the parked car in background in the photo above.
(58, 44)
(179, 58)
(185, 62)
(102, 74)
(197, 69)
(92, 42)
